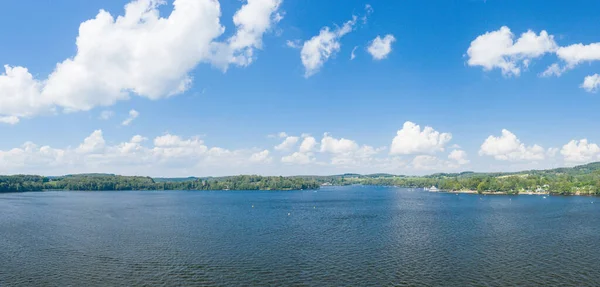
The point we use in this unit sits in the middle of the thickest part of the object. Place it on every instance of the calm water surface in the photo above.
(352, 236)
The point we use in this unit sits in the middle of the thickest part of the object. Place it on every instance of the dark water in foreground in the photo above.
(358, 236)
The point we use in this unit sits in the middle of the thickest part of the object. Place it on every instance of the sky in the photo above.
(280, 87)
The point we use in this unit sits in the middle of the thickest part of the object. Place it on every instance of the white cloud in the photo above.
(133, 114)
(337, 146)
(573, 55)
(316, 51)
(252, 20)
(11, 120)
(353, 55)
(169, 141)
(138, 139)
(20, 93)
(460, 156)
(411, 140)
(579, 53)
(287, 143)
(579, 151)
(139, 53)
(553, 70)
(346, 152)
(174, 155)
(296, 44)
(105, 115)
(261, 157)
(278, 135)
(552, 152)
(31, 157)
(360, 157)
(381, 47)
(591, 83)
(341, 152)
(298, 158)
(368, 11)
(508, 147)
(498, 49)
(94, 143)
(308, 144)
(166, 155)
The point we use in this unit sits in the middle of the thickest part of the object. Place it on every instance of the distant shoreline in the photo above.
(578, 180)
(471, 192)
(491, 192)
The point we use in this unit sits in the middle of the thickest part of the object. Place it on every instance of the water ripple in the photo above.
(349, 236)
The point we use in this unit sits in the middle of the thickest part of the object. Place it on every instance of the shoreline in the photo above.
(465, 191)
(497, 193)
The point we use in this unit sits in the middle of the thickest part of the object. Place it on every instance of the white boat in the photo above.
(433, 188)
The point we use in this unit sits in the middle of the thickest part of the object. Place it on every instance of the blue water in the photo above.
(336, 236)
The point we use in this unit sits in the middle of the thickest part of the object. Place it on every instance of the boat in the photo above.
(433, 188)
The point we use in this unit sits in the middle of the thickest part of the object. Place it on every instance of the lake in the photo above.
(335, 236)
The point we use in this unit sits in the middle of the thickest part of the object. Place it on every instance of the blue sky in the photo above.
(248, 85)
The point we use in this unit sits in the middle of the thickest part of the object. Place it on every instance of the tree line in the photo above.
(20, 183)
(582, 180)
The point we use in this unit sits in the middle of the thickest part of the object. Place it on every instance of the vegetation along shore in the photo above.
(578, 180)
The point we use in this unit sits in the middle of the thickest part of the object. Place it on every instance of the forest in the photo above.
(95, 182)
(579, 180)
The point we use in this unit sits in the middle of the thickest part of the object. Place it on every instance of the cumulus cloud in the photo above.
(133, 114)
(380, 48)
(579, 53)
(498, 49)
(362, 156)
(308, 144)
(337, 146)
(261, 157)
(298, 158)
(412, 140)
(31, 157)
(252, 21)
(287, 143)
(11, 120)
(579, 151)
(304, 155)
(572, 56)
(346, 152)
(551, 152)
(167, 154)
(139, 53)
(459, 156)
(94, 143)
(508, 147)
(316, 51)
(591, 83)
